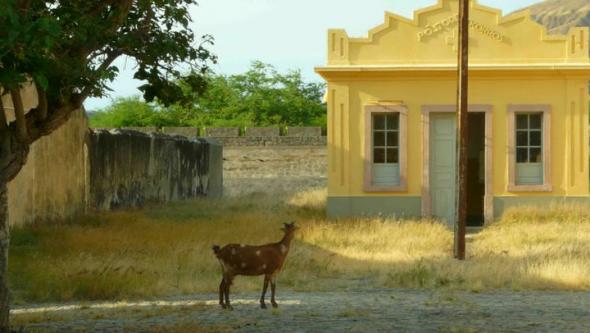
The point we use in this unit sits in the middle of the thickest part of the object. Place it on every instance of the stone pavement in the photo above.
(360, 311)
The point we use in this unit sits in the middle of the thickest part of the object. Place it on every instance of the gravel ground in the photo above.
(360, 311)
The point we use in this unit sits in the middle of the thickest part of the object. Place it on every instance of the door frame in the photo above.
(489, 136)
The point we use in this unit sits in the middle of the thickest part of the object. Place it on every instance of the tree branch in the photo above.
(23, 6)
(42, 95)
(121, 10)
(111, 57)
(19, 115)
(95, 11)
(3, 123)
(55, 119)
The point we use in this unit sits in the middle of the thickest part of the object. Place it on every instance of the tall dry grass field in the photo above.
(166, 250)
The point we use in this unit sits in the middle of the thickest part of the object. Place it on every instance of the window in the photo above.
(385, 151)
(529, 149)
(529, 129)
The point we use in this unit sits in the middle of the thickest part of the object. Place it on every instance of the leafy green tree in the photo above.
(133, 112)
(67, 49)
(259, 97)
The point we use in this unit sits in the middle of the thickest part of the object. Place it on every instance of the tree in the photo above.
(133, 112)
(259, 97)
(66, 49)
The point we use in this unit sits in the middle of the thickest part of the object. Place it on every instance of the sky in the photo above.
(288, 34)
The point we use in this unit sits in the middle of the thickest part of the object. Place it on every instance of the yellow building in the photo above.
(392, 115)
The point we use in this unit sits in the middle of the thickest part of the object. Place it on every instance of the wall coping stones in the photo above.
(304, 131)
(262, 131)
(143, 129)
(276, 141)
(230, 136)
(222, 132)
(225, 132)
(189, 132)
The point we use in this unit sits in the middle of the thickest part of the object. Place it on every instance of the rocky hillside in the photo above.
(559, 15)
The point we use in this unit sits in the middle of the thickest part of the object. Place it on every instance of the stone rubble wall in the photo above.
(264, 161)
(273, 141)
(274, 169)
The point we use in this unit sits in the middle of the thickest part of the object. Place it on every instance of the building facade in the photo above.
(392, 115)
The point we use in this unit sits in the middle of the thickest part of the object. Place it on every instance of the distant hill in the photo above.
(559, 15)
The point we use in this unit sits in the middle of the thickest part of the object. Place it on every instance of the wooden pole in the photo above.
(462, 129)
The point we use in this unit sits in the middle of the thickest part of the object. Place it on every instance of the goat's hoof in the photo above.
(262, 305)
(222, 305)
(275, 305)
(229, 307)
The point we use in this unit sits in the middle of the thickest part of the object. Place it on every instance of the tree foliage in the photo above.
(131, 112)
(261, 96)
(66, 49)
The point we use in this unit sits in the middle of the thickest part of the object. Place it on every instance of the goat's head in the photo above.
(289, 227)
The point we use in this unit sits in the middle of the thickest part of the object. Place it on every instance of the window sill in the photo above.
(530, 188)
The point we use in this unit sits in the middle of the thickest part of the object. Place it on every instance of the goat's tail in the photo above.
(216, 249)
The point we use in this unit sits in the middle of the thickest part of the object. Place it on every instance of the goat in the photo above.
(247, 260)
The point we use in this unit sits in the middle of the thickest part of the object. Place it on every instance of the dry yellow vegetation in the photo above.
(166, 250)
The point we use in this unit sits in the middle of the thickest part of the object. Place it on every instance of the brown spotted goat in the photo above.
(248, 260)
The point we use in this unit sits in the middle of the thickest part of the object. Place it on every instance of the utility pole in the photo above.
(462, 129)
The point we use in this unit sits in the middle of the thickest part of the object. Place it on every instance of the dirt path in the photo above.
(367, 311)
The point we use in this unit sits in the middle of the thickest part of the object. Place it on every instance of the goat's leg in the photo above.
(264, 288)
(222, 293)
(228, 283)
(273, 287)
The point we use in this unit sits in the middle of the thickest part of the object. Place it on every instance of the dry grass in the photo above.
(539, 248)
(166, 250)
(189, 327)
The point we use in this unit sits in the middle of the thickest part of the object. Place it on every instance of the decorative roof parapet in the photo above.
(431, 38)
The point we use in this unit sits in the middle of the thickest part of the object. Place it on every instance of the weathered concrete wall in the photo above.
(129, 168)
(75, 170)
(52, 184)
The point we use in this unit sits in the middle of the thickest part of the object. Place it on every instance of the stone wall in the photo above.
(261, 160)
(275, 170)
(239, 133)
(273, 141)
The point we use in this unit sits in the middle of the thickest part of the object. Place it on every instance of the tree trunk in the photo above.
(13, 156)
(4, 240)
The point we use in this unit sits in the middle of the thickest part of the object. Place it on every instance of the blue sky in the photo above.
(288, 34)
